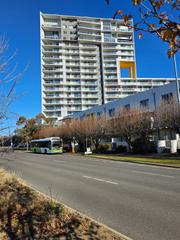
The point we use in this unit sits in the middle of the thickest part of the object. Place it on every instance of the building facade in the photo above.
(83, 63)
(148, 100)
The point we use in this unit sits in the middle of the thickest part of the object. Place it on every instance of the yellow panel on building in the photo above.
(130, 65)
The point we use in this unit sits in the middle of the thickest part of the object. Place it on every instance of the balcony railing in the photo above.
(52, 36)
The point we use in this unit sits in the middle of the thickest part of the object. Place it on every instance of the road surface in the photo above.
(140, 201)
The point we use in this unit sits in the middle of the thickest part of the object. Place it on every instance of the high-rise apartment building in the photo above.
(83, 61)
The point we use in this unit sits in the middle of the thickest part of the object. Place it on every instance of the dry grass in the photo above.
(26, 214)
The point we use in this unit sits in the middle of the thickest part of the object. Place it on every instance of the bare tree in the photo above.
(168, 116)
(132, 124)
(8, 81)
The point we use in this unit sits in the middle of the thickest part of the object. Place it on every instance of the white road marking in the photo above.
(101, 180)
(27, 163)
(59, 161)
(154, 174)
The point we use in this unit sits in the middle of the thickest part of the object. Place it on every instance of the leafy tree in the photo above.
(30, 127)
(159, 17)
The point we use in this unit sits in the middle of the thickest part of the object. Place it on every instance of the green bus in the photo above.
(47, 145)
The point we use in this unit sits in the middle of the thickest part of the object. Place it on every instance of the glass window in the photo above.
(56, 144)
(99, 114)
(167, 98)
(127, 107)
(112, 112)
(144, 103)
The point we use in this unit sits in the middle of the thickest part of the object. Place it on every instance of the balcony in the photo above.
(110, 40)
(53, 89)
(87, 59)
(109, 28)
(89, 77)
(90, 96)
(52, 70)
(93, 28)
(112, 83)
(89, 71)
(53, 83)
(110, 72)
(73, 96)
(52, 37)
(109, 53)
(89, 21)
(50, 96)
(110, 77)
(89, 53)
(52, 63)
(89, 65)
(90, 38)
(88, 46)
(124, 29)
(89, 83)
(89, 89)
(110, 59)
(112, 95)
(48, 25)
(53, 103)
(53, 76)
(51, 57)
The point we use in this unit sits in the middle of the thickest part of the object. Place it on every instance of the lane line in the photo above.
(100, 180)
(27, 163)
(153, 174)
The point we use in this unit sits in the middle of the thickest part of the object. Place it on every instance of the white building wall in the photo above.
(80, 59)
(154, 96)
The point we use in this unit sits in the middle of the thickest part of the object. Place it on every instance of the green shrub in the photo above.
(104, 148)
(121, 149)
(141, 146)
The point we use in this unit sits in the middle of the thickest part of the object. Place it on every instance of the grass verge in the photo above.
(27, 214)
(139, 159)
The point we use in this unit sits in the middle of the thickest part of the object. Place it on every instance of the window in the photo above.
(144, 103)
(167, 98)
(99, 114)
(126, 107)
(112, 112)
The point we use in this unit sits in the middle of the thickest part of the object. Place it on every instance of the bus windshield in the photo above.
(56, 144)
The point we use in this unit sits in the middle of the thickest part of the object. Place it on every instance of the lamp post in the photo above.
(155, 112)
(177, 82)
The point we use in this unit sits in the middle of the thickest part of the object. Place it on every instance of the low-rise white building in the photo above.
(148, 100)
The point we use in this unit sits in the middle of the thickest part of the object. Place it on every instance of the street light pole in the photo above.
(155, 113)
(177, 82)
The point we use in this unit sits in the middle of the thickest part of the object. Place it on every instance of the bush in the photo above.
(121, 149)
(104, 148)
(141, 146)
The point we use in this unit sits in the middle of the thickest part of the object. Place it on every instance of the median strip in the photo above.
(101, 180)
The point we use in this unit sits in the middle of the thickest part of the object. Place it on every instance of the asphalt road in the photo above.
(140, 201)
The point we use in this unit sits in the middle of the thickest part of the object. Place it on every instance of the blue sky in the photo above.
(19, 22)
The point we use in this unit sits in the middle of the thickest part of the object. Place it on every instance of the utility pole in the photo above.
(177, 82)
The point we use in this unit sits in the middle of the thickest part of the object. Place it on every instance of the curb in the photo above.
(124, 237)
